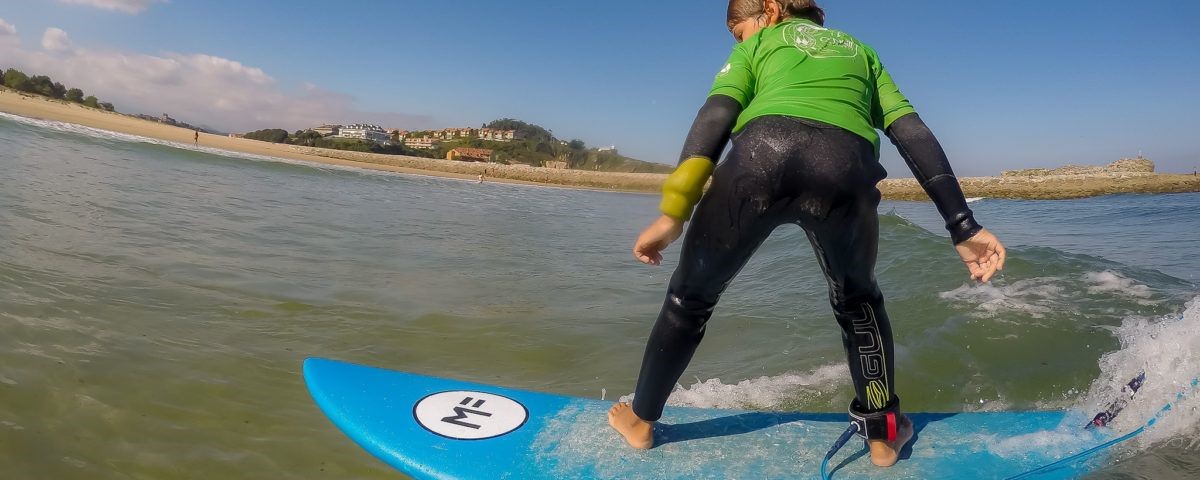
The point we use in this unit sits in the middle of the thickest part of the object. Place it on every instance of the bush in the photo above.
(16, 80)
(273, 135)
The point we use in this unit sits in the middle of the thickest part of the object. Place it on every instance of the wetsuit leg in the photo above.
(848, 259)
(732, 219)
(840, 218)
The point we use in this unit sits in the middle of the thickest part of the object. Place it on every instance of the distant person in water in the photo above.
(197, 137)
(803, 104)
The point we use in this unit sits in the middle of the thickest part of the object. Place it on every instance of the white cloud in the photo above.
(8, 34)
(200, 89)
(131, 7)
(7, 29)
(56, 40)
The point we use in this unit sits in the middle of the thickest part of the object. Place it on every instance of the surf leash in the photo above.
(841, 442)
(1092, 451)
(1102, 419)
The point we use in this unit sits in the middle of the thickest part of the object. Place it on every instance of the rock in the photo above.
(1124, 165)
(1032, 172)
(1131, 165)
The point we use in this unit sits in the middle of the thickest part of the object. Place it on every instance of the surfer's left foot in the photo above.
(639, 433)
(886, 454)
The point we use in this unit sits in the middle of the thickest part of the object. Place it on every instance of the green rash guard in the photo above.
(799, 69)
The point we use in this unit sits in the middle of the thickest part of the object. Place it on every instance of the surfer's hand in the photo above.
(655, 238)
(983, 254)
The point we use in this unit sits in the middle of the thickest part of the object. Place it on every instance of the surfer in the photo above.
(802, 104)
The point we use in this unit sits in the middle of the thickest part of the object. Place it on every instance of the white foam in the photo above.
(975, 199)
(1066, 439)
(124, 137)
(1168, 351)
(1109, 282)
(1034, 297)
(763, 393)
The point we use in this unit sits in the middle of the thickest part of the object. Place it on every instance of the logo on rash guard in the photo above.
(820, 42)
(726, 69)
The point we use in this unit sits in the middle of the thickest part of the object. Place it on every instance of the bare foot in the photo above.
(885, 454)
(639, 433)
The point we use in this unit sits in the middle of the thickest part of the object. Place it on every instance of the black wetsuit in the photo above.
(784, 170)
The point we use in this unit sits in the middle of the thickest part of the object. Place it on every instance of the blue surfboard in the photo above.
(436, 428)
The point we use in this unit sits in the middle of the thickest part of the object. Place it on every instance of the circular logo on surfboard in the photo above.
(464, 415)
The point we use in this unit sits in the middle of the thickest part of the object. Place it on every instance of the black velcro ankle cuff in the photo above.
(881, 425)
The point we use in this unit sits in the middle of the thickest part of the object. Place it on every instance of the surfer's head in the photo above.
(747, 17)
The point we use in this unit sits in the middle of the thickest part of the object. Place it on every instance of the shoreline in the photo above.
(1050, 187)
(41, 108)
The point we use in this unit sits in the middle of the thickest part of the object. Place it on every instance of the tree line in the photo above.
(44, 86)
(310, 138)
(536, 146)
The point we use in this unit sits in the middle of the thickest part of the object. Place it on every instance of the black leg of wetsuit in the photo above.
(729, 224)
(846, 245)
(843, 228)
(780, 170)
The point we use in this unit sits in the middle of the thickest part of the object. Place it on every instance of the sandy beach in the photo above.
(1043, 187)
(42, 108)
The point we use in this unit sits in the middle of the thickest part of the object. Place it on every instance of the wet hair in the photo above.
(740, 10)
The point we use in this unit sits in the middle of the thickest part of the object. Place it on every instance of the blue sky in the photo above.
(1004, 84)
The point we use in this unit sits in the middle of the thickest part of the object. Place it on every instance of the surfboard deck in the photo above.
(436, 428)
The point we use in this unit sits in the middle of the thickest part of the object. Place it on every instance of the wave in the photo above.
(1167, 350)
(96, 133)
(1039, 296)
(767, 392)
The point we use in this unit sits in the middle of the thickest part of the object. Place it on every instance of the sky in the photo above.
(1004, 85)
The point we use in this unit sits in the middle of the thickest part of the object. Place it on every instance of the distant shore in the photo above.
(1053, 187)
(32, 106)
(1045, 187)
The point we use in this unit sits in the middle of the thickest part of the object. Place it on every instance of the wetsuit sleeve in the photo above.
(711, 129)
(889, 103)
(928, 162)
(705, 142)
(732, 91)
(736, 78)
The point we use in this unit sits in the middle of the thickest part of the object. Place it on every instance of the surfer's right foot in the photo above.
(639, 433)
(886, 454)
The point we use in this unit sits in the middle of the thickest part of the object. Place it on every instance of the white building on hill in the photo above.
(370, 133)
(327, 129)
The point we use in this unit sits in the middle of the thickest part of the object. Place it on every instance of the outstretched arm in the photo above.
(980, 250)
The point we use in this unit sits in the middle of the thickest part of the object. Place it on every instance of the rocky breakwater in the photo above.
(1128, 175)
(1122, 167)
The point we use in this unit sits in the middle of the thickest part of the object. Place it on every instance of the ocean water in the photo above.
(156, 303)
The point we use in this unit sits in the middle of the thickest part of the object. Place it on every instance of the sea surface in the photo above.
(156, 303)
